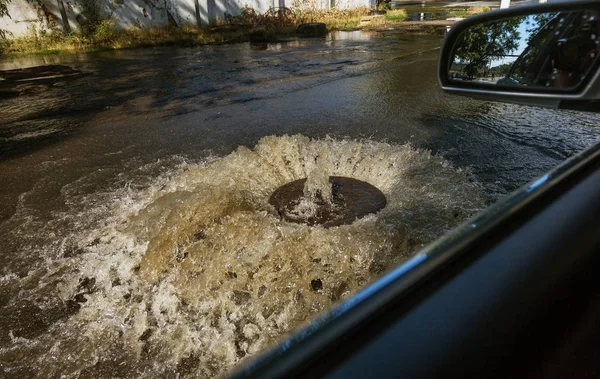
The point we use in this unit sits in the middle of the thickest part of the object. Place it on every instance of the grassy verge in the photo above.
(109, 38)
(396, 15)
(106, 36)
(468, 11)
(335, 19)
(435, 12)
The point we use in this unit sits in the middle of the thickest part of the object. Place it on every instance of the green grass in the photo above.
(335, 19)
(437, 12)
(466, 12)
(113, 39)
(396, 15)
(459, 13)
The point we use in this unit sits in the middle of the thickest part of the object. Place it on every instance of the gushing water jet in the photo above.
(342, 201)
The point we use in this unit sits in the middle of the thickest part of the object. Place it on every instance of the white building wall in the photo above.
(343, 4)
(23, 18)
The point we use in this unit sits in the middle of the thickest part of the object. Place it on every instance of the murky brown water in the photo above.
(136, 234)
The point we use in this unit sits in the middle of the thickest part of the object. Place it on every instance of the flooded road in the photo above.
(136, 232)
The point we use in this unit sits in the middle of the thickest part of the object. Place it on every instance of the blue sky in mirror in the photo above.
(527, 23)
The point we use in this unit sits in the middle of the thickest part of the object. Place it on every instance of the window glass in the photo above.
(172, 205)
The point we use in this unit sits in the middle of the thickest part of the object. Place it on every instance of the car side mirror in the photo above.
(544, 55)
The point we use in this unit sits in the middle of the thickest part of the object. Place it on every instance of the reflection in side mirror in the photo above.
(554, 51)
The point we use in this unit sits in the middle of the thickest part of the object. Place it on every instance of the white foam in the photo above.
(198, 267)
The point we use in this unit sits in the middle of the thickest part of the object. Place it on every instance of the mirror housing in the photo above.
(491, 56)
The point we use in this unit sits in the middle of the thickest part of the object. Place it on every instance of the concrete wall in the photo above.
(23, 18)
(43, 15)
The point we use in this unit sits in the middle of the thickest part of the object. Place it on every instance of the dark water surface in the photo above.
(79, 155)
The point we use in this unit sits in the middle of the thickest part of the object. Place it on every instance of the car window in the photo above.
(176, 199)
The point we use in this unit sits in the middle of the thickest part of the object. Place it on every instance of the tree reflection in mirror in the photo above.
(551, 50)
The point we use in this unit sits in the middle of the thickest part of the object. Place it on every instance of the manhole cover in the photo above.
(351, 199)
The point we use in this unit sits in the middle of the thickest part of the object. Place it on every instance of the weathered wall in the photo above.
(23, 17)
(39, 15)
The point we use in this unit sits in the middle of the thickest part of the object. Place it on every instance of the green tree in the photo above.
(501, 69)
(480, 44)
(536, 22)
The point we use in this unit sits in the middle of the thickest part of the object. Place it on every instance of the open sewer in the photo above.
(201, 269)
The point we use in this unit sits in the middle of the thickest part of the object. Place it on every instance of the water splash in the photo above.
(197, 272)
(317, 187)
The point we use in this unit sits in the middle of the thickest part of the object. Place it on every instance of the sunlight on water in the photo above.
(198, 271)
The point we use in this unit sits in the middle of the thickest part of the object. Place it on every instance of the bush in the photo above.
(478, 9)
(104, 31)
(334, 18)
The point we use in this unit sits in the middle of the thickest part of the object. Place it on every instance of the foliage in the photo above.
(334, 18)
(106, 38)
(274, 18)
(477, 10)
(502, 69)
(93, 17)
(477, 46)
(396, 15)
(249, 16)
(536, 22)
(282, 19)
(305, 6)
(382, 5)
(99, 31)
(466, 12)
(104, 30)
(279, 17)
